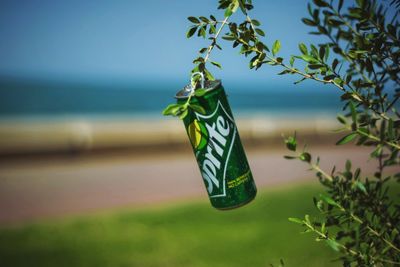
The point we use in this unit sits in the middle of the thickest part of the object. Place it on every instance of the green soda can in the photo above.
(217, 147)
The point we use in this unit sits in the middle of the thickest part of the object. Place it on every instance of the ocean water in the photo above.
(22, 98)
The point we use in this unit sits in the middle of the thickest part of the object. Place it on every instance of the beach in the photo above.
(136, 164)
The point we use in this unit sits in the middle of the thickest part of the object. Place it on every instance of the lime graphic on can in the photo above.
(198, 134)
(217, 147)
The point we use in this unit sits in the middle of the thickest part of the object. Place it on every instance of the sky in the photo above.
(132, 39)
(129, 39)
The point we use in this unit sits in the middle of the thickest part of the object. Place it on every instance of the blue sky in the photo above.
(124, 40)
(128, 39)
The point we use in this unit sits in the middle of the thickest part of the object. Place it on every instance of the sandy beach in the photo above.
(58, 168)
(53, 186)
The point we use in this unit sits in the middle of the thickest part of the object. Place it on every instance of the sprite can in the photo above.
(217, 147)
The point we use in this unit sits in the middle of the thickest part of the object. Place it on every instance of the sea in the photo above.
(30, 99)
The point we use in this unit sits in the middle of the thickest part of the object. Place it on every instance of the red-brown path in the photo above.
(43, 188)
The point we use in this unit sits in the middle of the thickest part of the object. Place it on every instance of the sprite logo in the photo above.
(212, 137)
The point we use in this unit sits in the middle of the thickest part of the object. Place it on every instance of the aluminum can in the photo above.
(217, 147)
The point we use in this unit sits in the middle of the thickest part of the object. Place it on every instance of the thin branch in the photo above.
(214, 41)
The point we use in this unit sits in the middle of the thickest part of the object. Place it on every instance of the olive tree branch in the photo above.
(214, 39)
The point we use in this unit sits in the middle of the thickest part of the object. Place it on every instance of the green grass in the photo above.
(192, 234)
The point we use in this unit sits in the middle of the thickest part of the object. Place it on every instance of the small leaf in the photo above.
(289, 157)
(348, 165)
(276, 47)
(296, 220)
(183, 114)
(320, 3)
(255, 22)
(353, 112)
(346, 139)
(329, 200)
(171, 109)
(202, 32)
(361, 187)
(204, 19)
(228, 12)
(305, 157)
(194, 20)
(200, 92)
(198, 108)
(216, 64)
(291, 143)
(303, 49)
(209, 76)
(191, 31)
(260, 32)
(309, 22)
(335, 63)
(333, 244)
(340, 4)
(291, 61)
(315, 66)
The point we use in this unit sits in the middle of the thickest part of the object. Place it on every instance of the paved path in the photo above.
(53, 187)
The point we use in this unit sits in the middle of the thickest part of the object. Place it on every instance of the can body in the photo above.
(218, 150)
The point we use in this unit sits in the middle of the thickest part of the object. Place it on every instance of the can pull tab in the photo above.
(192, 80)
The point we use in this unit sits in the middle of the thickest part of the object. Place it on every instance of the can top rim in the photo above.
(186, 91)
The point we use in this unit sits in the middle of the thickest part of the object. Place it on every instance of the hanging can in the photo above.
(217, 147)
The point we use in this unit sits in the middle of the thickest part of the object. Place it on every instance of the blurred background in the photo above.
(91, 173)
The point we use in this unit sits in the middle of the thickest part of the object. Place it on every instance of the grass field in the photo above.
(183, 234)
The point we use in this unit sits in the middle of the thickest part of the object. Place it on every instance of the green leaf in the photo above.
(204, 19)
(353, 112)
(203, 50)
(361, 186)
(200, 92)
(340, 4)
(322, 52)
(202, 32)
(348, 165)
(276, 47)
(308, 58)
(216, 64)
(291, 143)
(296, 220)
(341, 119)
(335, 63)
(329, 200)
(291, 61)
(212, 29)
(194, 20)
(198, 108)
(183, 114)
(315, 66)
(229, 37)
(228, 12)
(191, 31)
(260, 32)
(171, 109)
(209, 76)
(305, 157)
(320, 3)
(255, 22)
(303, 49)
(309, 22)
(323, 228)
(335, 23)
(346, 139)
(289, 157)
(234, 6)
(333, 244)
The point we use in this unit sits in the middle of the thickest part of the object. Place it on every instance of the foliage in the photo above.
(361, 58)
